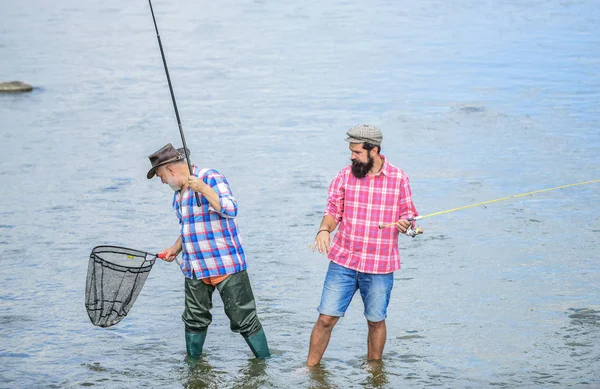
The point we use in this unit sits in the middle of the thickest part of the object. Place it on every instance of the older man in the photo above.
(363, 257)
(211, 249)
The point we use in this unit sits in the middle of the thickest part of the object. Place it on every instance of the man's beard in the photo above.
(360, 169)
(172, 184)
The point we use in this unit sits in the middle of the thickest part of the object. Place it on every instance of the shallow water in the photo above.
(477, 101)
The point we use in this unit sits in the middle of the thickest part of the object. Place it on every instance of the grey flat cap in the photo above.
(365, 133)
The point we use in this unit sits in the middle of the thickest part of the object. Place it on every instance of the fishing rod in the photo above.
(416, 231)
(162, 53)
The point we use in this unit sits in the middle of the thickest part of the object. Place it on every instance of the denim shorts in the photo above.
(340, 285)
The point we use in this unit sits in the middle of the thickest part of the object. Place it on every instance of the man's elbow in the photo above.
(229, 213)
(229, 209)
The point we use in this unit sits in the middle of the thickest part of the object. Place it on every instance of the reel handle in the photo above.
(410, 219)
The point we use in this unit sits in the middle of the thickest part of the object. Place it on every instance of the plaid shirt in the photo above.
(359, 206)
(210, 240)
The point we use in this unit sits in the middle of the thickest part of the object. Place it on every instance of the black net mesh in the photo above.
(115, 278)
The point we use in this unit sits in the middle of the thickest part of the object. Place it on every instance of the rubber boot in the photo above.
(194, 342)
(258, 344)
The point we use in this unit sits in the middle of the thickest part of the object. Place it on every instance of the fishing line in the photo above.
(487, 202)
(162, 53)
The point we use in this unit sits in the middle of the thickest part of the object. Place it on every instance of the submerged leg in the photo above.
(376, 340)
(258, 344)
(196, 316)
(319, 338)
(240, 308)
(194, 341)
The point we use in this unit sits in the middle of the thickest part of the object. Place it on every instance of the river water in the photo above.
(476, 100)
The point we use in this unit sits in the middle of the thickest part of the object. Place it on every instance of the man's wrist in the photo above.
(323, 229)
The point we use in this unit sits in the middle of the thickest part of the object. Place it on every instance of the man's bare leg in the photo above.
(319, 338)
(376, 340)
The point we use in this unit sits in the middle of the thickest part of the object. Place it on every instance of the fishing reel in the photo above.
(412, 232)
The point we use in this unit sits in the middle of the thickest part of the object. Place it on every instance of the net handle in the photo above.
(164, 255)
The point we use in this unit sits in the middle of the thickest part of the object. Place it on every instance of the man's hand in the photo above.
(196, 184)
(169, 254)
(402, 225)
(322, 241)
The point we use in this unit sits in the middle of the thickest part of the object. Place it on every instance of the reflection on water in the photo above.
(254, 375)
(372, 375)
(376, 375)
(201, 373)
(320, 378)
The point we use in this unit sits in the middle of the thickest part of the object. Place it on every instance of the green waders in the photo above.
(258, 344)
(239, 306)
(194, 342)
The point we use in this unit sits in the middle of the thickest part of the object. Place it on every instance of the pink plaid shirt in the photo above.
(359, 206)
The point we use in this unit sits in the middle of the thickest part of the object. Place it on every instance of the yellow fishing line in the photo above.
(493, 201)
(507, 198)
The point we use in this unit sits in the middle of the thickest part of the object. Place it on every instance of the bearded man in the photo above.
(363, 257)
(212, 252)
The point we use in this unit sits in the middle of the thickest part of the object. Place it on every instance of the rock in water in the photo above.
(15, 86)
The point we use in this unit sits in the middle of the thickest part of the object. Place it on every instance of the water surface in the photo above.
(476, 101)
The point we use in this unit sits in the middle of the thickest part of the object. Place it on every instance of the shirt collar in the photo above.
(384, 167)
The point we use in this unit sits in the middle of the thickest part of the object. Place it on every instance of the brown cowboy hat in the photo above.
(163, 156)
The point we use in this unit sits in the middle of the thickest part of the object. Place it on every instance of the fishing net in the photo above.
(115, 278)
